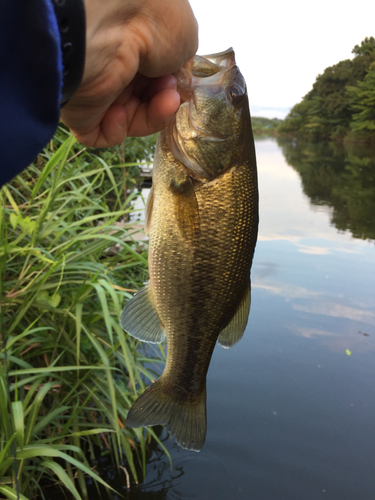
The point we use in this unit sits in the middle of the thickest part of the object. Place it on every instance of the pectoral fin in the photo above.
(234, 330)
(140, 319)
(186, 207)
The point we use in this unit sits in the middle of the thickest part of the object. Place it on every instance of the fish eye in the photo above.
(236, 93)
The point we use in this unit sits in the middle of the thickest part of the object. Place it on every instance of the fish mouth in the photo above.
(224, 58)
(208, 87)
(205, 67)
(202, 71)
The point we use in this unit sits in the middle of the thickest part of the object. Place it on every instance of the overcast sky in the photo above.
(281, 46)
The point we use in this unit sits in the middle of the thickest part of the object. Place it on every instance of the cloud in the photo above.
(288, 291)
(337, 310)
(313, 250)
(339, 342)
(315, 302)
(309, 333)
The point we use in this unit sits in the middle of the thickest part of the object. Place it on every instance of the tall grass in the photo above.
(68, 372)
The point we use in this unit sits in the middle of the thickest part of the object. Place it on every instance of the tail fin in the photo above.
(186, 421)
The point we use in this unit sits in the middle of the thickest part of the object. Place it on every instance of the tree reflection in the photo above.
(342, 177)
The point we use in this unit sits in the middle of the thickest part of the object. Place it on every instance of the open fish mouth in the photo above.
(212, 92)
(203, 67)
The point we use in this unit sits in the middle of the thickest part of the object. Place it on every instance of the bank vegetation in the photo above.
(341, 104)
(68, 372)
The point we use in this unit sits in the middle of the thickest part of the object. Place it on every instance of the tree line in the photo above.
(264, 126)
(341, 104)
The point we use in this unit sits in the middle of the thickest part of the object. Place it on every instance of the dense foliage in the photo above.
(341, 103)
(68, 372)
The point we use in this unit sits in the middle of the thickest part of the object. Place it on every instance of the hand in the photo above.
(132, 47)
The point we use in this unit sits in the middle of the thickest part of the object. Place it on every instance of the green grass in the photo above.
(68, 372)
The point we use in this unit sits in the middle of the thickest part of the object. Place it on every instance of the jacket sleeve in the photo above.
(31, 76)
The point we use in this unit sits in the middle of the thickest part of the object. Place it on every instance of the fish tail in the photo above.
(186, 421)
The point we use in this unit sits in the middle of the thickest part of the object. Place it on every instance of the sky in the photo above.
(282, 46)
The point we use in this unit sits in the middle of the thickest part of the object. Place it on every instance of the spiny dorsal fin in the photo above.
(234, 330)
(140, 319)
(186, 207)
(148, 212)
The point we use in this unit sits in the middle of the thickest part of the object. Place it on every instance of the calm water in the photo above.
(291, 408)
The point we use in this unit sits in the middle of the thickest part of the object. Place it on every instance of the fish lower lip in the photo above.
(200, 133)
(213, 138)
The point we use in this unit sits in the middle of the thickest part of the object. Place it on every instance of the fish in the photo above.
(202, 219)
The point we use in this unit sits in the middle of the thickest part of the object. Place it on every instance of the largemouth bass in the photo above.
(202, 215)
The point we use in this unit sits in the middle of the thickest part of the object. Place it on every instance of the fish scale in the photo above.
(203, 223)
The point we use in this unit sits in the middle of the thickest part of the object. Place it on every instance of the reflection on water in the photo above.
(342, 178)
(291, 415)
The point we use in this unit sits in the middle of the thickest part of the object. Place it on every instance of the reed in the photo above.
(68, 372)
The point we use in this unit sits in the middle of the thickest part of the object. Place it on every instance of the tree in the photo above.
(362, 99)
(343, 90)
(367, 48)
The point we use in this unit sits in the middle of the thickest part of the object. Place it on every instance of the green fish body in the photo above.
(202, 215)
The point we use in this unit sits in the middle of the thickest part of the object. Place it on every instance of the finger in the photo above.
(134, 119)
(146, 88)
(148, 118)
(112, 129)
(162, 83)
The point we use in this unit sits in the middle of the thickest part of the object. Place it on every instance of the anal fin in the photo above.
(140, 319)
(233, 332)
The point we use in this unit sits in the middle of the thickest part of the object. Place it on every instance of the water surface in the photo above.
(291, 408)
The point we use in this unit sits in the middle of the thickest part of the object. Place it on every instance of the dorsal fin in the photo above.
(232, 333)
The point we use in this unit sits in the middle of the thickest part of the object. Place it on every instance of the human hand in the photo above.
(132, 49)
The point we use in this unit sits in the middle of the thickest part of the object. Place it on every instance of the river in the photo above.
(291, 407)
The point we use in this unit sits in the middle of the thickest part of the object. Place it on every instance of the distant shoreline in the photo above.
(269, 112)
(265, 126)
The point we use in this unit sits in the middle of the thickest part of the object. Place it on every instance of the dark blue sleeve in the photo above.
(30, 82)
